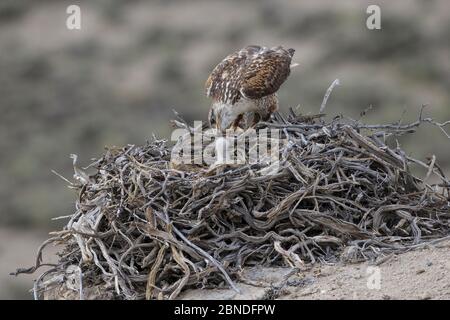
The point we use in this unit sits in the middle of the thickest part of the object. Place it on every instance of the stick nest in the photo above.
(142, 229)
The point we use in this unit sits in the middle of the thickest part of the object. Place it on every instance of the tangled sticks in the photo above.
(144, 230)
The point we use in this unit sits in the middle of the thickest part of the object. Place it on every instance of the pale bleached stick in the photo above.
(327, 95)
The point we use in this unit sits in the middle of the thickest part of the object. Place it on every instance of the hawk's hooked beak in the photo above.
(293, 65)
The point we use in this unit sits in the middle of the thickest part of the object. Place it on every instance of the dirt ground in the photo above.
(419, 274)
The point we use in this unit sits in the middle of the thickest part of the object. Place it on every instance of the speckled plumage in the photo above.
(243, 86)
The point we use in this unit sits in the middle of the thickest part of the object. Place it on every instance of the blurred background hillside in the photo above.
(116, 81)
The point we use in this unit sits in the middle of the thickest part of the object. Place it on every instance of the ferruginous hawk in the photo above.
(243, 86)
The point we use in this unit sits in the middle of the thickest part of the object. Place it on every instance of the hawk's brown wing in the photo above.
(266, 72)
(223, 82)
(253, 72)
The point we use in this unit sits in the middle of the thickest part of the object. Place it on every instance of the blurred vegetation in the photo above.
(117, 80)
